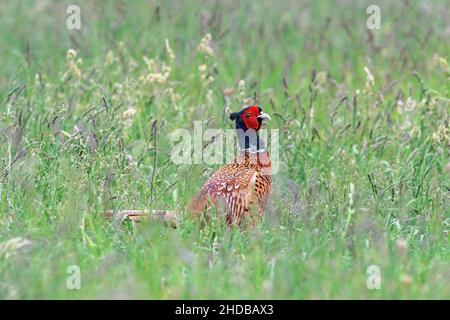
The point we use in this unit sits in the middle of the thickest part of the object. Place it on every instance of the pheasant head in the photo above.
(249, 118)
(248, 123)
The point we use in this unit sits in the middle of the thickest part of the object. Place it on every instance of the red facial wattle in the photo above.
(250, 117)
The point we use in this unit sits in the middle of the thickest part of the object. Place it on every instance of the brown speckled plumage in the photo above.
(241, 183)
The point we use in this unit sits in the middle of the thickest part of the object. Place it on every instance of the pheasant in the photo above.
(245, 181)
(241, 184)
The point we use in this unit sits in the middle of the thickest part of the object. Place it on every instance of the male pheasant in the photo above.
(241, 184)
(245, 181)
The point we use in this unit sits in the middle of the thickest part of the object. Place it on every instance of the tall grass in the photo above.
(86, 116)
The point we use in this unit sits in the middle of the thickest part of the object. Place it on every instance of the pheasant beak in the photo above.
(263, 115)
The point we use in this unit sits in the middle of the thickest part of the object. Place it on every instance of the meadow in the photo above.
(359, 208)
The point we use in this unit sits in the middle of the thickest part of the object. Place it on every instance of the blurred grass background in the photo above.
(85, 119)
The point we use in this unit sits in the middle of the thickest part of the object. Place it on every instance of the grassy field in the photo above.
(85, 120)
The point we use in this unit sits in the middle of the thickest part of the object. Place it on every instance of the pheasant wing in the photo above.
(233, 182)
